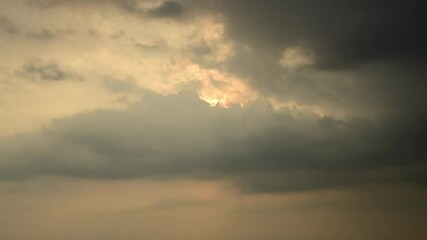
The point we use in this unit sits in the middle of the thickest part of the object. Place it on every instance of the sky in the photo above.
(213, 119)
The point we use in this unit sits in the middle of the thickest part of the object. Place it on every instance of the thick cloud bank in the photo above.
(255, 147)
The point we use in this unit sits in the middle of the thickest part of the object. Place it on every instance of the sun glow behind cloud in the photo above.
(219, 88)
(108, 55)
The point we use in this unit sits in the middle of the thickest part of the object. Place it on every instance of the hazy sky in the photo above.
(213, 119)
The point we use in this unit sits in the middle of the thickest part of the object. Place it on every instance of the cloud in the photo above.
(42, 3)
(287, 113)
(258, 149)
(342, 33)
(360, 58)
(39, 70)
(7, 26)
(42, 35)
(169, 204)
(144, 8)
(357, 97)
(12, 28)
(296, 57)
(167, 9)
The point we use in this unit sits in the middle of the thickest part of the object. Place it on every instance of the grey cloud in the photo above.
(41, 35)
(129, 6)
(118, 35)
(313, 179)
(342, 33)
(167, 9)
(261, 151)
(40, 70)
(146, 46)
(42, 3)
(158, 45)
(7, 26)
(11, 28)
(120, 85)
(168, 204)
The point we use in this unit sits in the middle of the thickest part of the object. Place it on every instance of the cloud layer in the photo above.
(263, 150)
(244, 113)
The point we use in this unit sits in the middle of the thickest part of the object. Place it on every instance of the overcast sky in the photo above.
(213, 119)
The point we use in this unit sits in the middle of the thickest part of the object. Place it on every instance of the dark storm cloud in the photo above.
(342, 33)
(369, 56)
(40, 70)
(262, 151)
